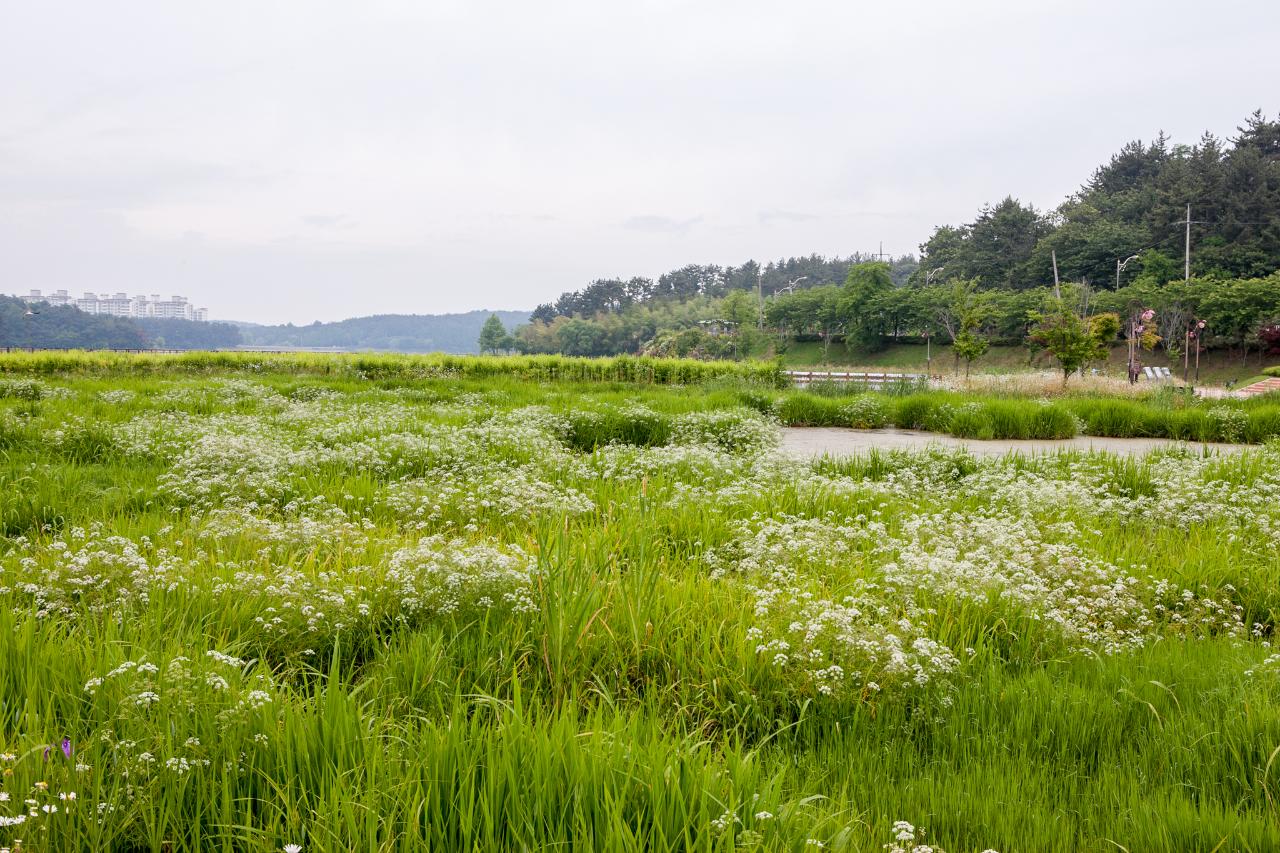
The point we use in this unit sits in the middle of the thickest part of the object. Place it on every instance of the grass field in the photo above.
(249, 608)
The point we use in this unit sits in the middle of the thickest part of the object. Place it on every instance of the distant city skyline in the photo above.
(120, 304)
(291, 162)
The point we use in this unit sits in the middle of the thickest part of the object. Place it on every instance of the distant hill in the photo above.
(64, 327)
(452, 333)
(46, 326)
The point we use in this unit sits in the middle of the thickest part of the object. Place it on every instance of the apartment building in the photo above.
(123, 305)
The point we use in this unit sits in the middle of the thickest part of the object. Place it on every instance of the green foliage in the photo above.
(402, 368)
(1134, 203)
(42, 326)
(1072, 339)
(493, 336)
(47, 327)
(166, 333)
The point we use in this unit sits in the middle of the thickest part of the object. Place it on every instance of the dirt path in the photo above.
(818, 441)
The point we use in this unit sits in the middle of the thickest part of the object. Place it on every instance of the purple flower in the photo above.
(66, 748)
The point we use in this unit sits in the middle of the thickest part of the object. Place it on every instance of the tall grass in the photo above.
(987, 417)
(539, 368)
(630, 707)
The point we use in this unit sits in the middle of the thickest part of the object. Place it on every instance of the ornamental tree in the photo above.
(1072, 339)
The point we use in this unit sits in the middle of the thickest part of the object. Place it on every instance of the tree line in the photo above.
(43, 326)
(1116, 246)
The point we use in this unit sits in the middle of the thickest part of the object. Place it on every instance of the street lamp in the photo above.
(928, 276)
(791, 286)
(29, 317)
(1120, 265)
(1195, 329)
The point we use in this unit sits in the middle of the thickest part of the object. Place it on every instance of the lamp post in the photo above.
(1196, 334)
(28, 317)
(1120, 265)
(760, 297)
(1137, 326)
(1194, 329)
(791, 286)
(928, 335)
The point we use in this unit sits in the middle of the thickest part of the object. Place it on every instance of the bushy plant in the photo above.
(865, 412)
(972, 420)
(914, 412)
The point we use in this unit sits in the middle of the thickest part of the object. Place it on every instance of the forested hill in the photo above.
(1121, 237)
(1137, 202)
(453, 333)
(66, 327)
(611, 295)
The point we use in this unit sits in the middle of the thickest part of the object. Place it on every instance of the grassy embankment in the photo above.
(1216, 367)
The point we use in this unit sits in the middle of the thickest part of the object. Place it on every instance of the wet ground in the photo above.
(819, 441)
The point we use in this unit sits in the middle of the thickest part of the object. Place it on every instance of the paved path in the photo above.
(808, 442)
(1264, 386)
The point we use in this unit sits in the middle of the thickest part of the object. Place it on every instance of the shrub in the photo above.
(758, 400)
(808, 410)
(971, 421)
(1186, 425)
(1113, 418)
(734, 430)
(1228, 424)
(914, 412)
(636, 425)
(1051, 421)
(29, 390)
(1264, 424)
(865, 412)
(1009, 419)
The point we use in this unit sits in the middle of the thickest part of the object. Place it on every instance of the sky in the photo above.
(282, 161)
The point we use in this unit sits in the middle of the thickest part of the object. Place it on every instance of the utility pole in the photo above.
(1057, 290)
(1187, 271)
(760, 297)
(1187, 254)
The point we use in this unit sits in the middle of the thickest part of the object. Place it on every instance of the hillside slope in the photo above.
(451, 333)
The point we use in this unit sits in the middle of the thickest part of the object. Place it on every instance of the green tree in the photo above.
(970, 346)
(740, 309)
(1072, 339)
(860, 310)
(493, 336)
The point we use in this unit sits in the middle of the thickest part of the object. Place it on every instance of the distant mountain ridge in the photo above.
(451, 333)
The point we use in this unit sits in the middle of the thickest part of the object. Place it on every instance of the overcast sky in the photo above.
(294, 161)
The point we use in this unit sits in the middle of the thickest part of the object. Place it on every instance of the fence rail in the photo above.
(266, 351)
(805, 378)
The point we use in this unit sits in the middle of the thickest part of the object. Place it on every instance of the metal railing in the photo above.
(805, 378)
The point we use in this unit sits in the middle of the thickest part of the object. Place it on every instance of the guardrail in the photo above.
(875, 381)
